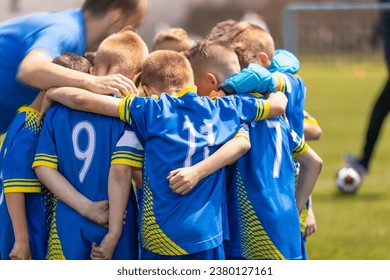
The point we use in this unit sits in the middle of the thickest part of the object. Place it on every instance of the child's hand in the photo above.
(116, 84)
(97, 212)
(106, 248)
(20, 251)
(183, 180)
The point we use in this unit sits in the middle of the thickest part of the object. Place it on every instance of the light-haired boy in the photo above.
(82, 150)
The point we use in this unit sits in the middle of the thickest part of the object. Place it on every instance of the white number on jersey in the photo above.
(207, 130)
(278, 154)
(87, 154)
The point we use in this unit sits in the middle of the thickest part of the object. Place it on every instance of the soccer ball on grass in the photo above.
(348, 180)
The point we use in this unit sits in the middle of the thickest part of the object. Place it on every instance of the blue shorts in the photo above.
(71, 236)
(216, 253)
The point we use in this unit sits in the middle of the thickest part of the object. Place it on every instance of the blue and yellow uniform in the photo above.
(52, 33)
(17, 176)
(175, 132)
(82, 146)
(263, 216)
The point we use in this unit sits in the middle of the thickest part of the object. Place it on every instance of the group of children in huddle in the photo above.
(205, 159)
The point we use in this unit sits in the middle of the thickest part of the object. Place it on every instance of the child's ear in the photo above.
(212, 80)
(92, 71)
(137, 79)
(263, 57)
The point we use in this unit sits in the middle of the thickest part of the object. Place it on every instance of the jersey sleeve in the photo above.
(248, 108)
(18, 176)
(128, 150)
(298, 144)
(242, 132)
(46, 153)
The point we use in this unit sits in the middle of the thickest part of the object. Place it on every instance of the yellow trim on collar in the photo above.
(27, 108)
(185, 90)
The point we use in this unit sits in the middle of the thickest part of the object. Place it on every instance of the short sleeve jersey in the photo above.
(17, 176)
(176, 132)
(82, 146)
(263, 215)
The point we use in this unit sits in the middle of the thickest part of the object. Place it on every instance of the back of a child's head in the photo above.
(174, 39)
(167, 71)
(248, 40)
(73, 61)
(101, 7)
(216, 57)
(121, 53)
(221, 28)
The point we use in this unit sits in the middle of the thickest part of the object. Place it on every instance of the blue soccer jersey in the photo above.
(17, 176)
(82, 146)
(52, 33)
(295, 90)
(181, 131)
(263, 215)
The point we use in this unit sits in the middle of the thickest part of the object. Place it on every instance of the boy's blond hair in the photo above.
(248, 40)
(214, 57)
(167, 71)
(123, 52)
(177, 38)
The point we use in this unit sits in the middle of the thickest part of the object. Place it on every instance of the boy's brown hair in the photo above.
(123, 52)
(248, 40)
(221, 28)
(167, 71)
(214, 57)
(177, 38)
(73, 61)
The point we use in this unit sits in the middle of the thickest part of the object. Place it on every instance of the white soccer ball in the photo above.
(348, 179)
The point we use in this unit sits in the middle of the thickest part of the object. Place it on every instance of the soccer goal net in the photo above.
(334, 31)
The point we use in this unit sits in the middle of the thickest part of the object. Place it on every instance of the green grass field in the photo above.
(355, 226)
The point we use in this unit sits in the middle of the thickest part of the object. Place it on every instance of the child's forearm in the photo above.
(59, 186)
(119, 186)
(17, 210)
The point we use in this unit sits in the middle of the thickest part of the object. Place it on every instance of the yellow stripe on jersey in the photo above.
(54, 246)
(19, 185)
(127, 158)
(152, 237)
(254, 240)
(263, 109)
(300, 149)
(45, 160)
(124, 108)
(2, 137)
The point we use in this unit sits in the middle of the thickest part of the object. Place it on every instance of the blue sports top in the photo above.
(263, 215)
(53, 33)
(176, 132)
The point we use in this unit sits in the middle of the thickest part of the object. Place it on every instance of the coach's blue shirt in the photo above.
(53, 33)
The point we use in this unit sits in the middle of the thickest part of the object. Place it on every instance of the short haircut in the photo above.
(174, 35)
(100, 7)
(214, 57)
(73, 61)
(221, 28)
(167, 71)
(124, 51)
(248, 40)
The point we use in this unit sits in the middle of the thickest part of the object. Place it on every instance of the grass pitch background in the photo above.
(340, 95)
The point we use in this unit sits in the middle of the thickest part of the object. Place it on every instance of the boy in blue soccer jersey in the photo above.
(27, 202)
(177, 129)
(260, 49)
(82, 150)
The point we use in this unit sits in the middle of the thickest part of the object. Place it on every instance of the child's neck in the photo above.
(37, 103)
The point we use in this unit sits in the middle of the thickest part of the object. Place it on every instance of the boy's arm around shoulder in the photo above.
(84, 100)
